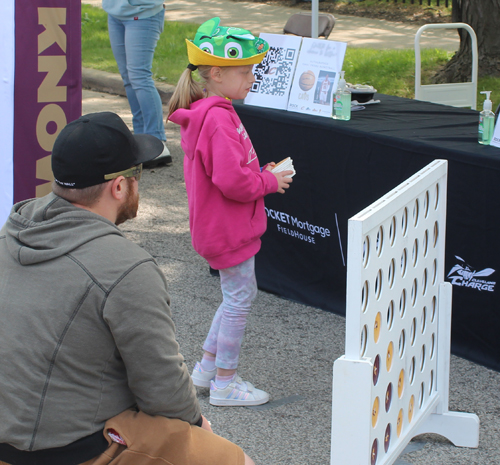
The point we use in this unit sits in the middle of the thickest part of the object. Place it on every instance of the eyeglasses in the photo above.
(134, 172)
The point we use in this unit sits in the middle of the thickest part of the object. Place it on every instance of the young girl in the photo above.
(226, 188)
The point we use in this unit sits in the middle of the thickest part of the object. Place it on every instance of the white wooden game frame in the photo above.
(393, 381)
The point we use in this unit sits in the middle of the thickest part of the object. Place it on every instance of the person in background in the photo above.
(91, 371)
(134, 29)
(226, 188)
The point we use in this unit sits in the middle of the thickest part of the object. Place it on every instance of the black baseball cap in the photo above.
(98, 144)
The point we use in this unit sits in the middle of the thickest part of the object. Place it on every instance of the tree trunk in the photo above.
(484, 17)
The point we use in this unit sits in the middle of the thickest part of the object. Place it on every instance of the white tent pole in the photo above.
(7, 60)
(314, 18)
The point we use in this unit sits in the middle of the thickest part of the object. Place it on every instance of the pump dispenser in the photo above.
(486, 121)
(342, 101)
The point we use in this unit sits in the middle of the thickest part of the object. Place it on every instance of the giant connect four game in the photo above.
(393, 381)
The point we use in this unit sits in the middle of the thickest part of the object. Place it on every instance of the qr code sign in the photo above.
(272, 75)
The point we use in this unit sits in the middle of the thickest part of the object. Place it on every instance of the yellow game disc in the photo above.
(376, 327)
(390, 353)
(401, 383)
(410, 408)
(375, 408)
(400, 423)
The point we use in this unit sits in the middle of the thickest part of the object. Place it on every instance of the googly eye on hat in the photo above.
(214, 45)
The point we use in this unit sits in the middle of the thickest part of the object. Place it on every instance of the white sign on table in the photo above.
(273, 77)
(495, 140)
(316, 76)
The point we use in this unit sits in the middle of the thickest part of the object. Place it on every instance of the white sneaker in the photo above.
(237, 393)
(201, 377)
(163, 159)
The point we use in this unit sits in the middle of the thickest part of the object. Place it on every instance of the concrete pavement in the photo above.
(289, 348)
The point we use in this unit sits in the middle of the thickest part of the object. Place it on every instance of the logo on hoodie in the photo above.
(252, 155)
(242, 130)
(465, 275)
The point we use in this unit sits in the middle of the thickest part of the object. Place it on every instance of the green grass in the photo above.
(96, 50)
(170, 56)
(391, 72)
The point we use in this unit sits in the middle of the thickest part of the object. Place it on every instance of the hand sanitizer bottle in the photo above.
(486, 121)
(342, 101)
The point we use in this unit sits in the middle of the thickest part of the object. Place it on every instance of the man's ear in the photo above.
(118, 188)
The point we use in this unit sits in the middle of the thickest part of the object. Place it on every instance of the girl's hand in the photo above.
(283, 180)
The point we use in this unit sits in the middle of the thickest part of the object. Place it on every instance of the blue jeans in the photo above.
(133, 43)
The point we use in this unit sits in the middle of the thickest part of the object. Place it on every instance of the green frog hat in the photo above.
(225, 46)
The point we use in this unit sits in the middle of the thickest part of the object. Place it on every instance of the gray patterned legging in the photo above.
(239, 288)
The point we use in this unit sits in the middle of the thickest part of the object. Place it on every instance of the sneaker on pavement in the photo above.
(238, 393)
(201, 377)
(163, 159)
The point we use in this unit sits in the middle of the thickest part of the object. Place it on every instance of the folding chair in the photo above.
(300, 25)
(459, 94)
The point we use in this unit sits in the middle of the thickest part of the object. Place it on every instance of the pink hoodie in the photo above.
(225, 186)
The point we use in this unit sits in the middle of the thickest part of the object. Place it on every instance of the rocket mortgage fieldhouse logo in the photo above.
(465, 275)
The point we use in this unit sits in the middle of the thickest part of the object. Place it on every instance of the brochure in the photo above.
(273, 77)
(316, 76)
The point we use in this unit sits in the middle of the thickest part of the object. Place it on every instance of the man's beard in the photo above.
(129, 209)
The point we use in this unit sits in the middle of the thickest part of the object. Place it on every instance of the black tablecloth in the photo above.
(343, 166)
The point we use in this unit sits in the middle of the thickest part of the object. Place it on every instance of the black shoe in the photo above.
(163, 159)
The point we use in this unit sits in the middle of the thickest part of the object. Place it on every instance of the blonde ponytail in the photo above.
(187, 90)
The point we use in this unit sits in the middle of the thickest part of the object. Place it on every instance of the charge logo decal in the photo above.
(465, 275)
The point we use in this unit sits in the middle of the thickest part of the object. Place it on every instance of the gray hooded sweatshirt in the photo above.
(85, 328)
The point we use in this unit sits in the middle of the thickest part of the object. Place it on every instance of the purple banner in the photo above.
(48, 87)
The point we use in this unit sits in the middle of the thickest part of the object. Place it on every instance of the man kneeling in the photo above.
(91, 371)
